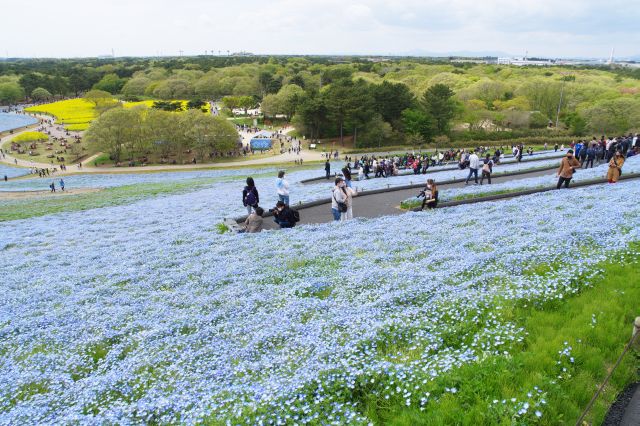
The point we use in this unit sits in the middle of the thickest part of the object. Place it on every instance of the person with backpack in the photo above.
(474, 165)
(282, 187)
(615, 167)
(250, 197)
(284, 216)
(52, 186)
(487, 169)
(590, 155)
(568, 166)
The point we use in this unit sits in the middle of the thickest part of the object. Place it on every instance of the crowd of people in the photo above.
(480, 163)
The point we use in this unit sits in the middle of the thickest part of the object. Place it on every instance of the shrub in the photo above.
(30, 137)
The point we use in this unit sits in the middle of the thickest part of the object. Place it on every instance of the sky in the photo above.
(548, 28)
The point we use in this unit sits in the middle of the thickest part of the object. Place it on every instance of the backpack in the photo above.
(251, 199)
(296, 215)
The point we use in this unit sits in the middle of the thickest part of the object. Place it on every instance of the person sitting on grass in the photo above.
(253, 222)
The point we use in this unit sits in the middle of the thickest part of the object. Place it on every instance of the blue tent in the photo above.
(261, 141)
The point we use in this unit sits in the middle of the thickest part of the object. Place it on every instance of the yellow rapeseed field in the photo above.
(77, 114)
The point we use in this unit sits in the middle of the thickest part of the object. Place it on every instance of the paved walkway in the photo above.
(383, 204)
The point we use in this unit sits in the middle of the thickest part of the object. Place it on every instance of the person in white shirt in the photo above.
(283, 188)
(474, 165)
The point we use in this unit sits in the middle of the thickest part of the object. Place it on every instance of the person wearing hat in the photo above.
(615, 167)
(568, 166)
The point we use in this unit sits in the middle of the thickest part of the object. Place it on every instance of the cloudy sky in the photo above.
(552, 28)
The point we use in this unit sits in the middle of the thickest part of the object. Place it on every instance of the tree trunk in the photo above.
(355, 137)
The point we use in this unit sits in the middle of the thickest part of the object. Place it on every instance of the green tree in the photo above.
(312, 116)
(102, 100)
(41, 94)
(290, 96)
(208, 133)
(419, 123)
(438, 102)
(114, 130)
(110, 83)
(390, 99)
(11, 93)
(377, 133)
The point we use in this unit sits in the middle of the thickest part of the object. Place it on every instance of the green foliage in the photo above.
(110, 83)
(41, 94)
(438, 102)
(576, 124)
(221, 228)
(171, 106)
(11, 92)
(613, 116)
(596, 325)
(417, 122)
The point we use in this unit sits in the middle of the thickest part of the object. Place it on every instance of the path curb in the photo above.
(322, 201)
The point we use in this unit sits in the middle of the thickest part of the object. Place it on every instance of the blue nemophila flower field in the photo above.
(143, 313)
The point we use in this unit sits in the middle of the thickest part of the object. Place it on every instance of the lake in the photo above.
(10, 121)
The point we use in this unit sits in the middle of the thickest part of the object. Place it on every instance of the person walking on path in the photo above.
(568, 166)
(62, 185)
(590, 155)
(615, 167)
(282, 186)
(487, 169)
(474, 164)
(53, 187)
(327, 168)
(430, 194)
(250, 197)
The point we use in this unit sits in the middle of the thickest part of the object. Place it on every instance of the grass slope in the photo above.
(569, 348)
(40, 206)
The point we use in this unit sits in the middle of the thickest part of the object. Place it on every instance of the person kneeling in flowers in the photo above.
(430, 194)
(615, 167)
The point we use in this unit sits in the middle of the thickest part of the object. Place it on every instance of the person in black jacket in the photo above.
(327, 168)
(283, 215)
(250, 197)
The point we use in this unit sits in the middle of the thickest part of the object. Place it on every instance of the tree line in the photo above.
(132, 133)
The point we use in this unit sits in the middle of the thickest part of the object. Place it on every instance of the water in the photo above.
(10, 121)
(11, 172)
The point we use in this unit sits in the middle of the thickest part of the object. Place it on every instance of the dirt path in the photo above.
(21, 195)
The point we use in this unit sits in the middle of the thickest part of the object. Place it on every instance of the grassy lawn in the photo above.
(566, 354)
(40, 206)
(79, 149)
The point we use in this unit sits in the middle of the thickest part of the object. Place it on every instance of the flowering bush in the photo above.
(156, 318)
(30, 137)
(72, 111)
